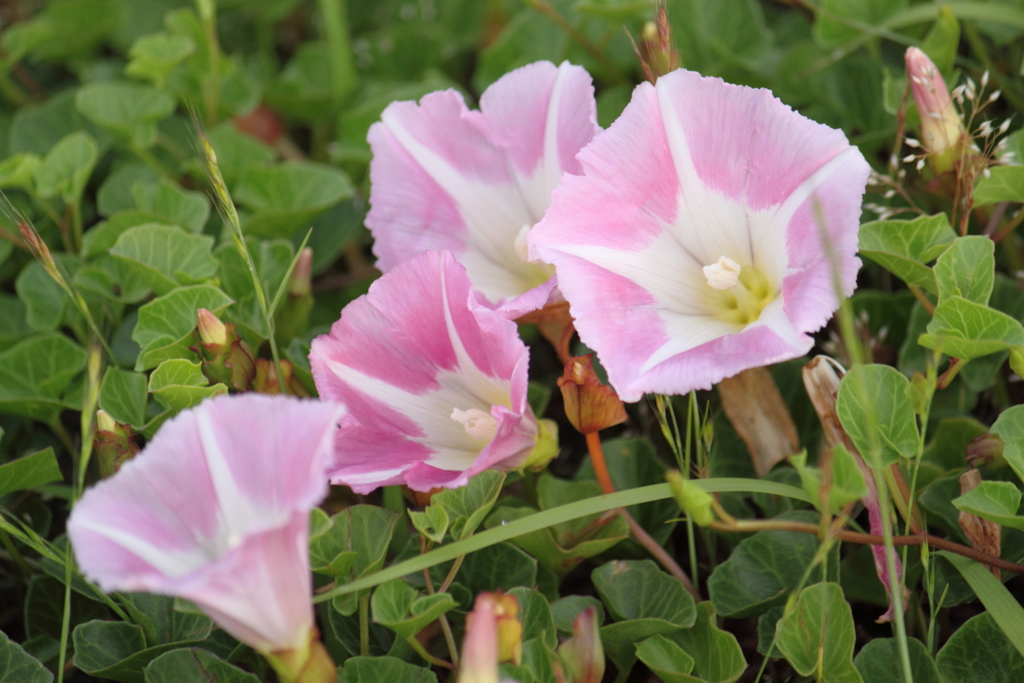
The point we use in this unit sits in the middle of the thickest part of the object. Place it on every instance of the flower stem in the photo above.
(422, 652)
(926, 304)
(641, 536)
(449, 638)
(364, 625)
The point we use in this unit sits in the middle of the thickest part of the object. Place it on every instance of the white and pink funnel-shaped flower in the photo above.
(475, 182)
(215, 509)
(696, 243)
(434, 381)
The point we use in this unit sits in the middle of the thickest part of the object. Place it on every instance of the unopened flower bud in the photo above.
(225, 357)
(941, 126)
(266, 382)
(986, 451)
(589, 405)
(293, 315)
(494, 634)
(582, 655)
(658, 55)
(547, 446)
(692, 499)
(114, 444)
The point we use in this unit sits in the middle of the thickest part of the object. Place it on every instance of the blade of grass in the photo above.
(1000, 603)
(563, 513)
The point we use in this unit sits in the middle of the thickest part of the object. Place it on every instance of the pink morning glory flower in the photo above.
(693, 247)
(475, 182)
(215, 509)
(434, 381)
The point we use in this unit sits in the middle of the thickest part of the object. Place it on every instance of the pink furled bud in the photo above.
(293, 315)
(941, 127)
(114, 444)
(582, 655)
(480, 648)
(225, 357)
(300, 282)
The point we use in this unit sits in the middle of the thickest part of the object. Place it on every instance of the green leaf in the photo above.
(763, 569)
(399, 606)
(943, 40)
(1003, 184)
(833, 19)
(502, 566)
(35, 373)
(123, 396)
(46, 301)
(665, 659)
(104, 235)
(979, 652)
(966, 330)
(115, 194)
(179, 384)
(997, 501)
(17, 666)
(817, 636)
(44, 609)
(877, 415)
(381, 669)
(904, 247)
(116, 650)
(19, 171)
(967, 269)
(535, 615)
(432, 522)
(129, 110)
(194, 664)
(37, 128)
(1004, 609)
(1009, 427)
(186, 208)
(717, 655)
(638, 589)
(112, 279)
(565, 610)
(66, 168)
(467, 507)
(353, 545)
(165, 324)
(879, 662)
(155, 56)
(286, 197)
(166, 256)
(847, 480)
(29, 472)
(161, 623)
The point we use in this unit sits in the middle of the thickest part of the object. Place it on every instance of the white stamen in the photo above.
(478, 424)
(520, 245)
(723, 274)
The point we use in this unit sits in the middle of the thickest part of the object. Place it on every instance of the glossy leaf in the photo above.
(906, 247)
(289, 196)
(17, 666)
(29, 472)
(399, 606)
(877, 414)
(665, 659)
(66, 168)
(186, 208)
(179, 384)
(381, 669)
(467, 507)
(847, 482)
(129, 110)
(967, 269)
(979, 652)
(166, 256)
(164, 330)
(717, 655)
(1003, 184)
(964, 329)
(997, 501)
(879, 662)
(817, 636)
(35, 373)
(763, 569)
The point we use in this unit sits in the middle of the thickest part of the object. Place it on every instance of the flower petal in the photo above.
(217, 482)
(403, 357)
(695, 170)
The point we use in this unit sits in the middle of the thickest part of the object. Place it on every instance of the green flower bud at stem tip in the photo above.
(547, 446)
(211, 329)
(693, 500)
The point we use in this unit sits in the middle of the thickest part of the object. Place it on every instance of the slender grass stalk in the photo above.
(211, 83)
(895, 578)
(364, 625)
(557, 515)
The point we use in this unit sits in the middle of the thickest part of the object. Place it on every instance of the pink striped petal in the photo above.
(696, 170)
(403, 359)
(215, 509)
(475, 182)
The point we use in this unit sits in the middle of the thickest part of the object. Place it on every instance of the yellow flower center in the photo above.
(739, 293)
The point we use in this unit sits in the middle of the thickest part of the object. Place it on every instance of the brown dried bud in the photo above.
(986, 451)
(756, 409)
(589, 405)
(984, 535)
